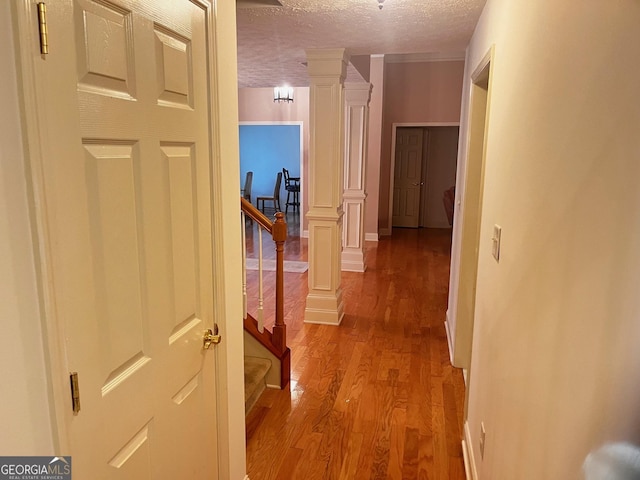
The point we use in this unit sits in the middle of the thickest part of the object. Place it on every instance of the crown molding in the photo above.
(425, 57)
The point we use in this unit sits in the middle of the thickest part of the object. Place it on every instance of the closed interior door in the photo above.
(128, 197)
(407, 182)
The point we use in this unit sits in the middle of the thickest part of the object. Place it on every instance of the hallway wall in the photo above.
(555, 369)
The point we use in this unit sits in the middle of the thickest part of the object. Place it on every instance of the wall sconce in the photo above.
(283, 94)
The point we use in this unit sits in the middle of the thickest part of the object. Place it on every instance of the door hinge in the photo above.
(42, 22)
(75, 392)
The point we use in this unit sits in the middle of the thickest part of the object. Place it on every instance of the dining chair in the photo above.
(292, 186)
(246, 190)
(275, 199)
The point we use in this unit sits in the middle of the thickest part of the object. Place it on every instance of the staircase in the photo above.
(267, 357)
(255, 372)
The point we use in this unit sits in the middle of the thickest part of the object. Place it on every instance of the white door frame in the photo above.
(226, 229)
(468, 219)
(394, 128)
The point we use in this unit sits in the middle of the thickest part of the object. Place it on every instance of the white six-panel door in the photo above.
(127, 188)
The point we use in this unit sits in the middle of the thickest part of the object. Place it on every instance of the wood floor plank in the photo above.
(452, 429)
(397, 444)
(383, 407)
(440, 452)
(344, 396)
(253, 421)
(289, 464)
(350, 464)
(426, 469)
(411, 453)
(376, 397)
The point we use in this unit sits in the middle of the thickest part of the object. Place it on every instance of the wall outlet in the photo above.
(483, 435)
(495, 242)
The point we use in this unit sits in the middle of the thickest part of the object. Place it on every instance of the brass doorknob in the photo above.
(211, 337)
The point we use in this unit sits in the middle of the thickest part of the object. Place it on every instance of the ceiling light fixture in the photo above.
(283, 94)
(380, 2)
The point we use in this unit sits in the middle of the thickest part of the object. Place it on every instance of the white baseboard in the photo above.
(324, 322)
(357, 267)
(467, 451)
(368, 237)
(371, 237)
(385, 232)
(449, 337)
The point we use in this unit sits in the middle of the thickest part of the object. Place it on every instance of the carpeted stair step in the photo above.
(255, 370)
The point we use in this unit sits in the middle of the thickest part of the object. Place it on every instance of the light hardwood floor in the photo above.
(376, 397)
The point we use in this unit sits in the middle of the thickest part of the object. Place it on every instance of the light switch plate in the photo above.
(495, 247)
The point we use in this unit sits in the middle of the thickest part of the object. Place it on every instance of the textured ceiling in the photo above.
(272, 40)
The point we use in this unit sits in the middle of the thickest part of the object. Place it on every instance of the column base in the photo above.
(353, 261)
(324, 309)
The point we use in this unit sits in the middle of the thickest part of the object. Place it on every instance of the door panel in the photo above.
(128, 194)
(407, 183)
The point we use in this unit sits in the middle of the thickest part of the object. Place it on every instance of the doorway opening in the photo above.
(265, 148)
(423, 168)
(472, 208)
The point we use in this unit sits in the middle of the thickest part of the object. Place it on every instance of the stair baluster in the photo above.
(260, 284)
(244, 265)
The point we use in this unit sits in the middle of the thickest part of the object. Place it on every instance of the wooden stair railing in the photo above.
(275, 341)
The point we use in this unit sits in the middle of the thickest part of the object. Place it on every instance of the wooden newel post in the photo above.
(279, 235)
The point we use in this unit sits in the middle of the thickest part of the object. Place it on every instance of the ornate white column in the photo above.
(327, 69)
(356, 112)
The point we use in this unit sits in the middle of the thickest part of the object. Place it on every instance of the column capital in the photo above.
(327, 62)
(357, 93)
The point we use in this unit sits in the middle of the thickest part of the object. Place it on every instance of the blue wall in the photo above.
(265, 150)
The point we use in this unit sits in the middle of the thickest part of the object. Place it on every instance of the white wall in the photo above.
(374, 146)
(555, 366)
(24, 412)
